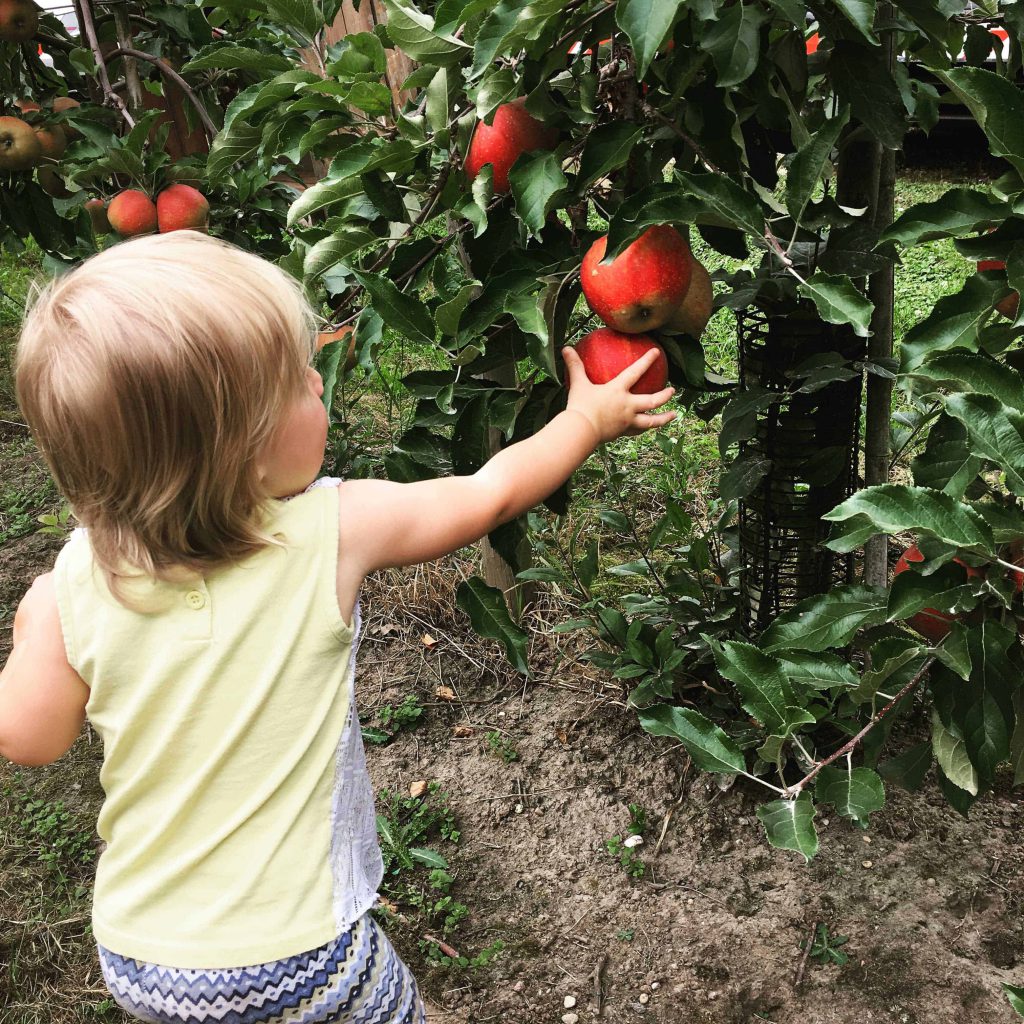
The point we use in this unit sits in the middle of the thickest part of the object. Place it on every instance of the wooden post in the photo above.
(878, 411)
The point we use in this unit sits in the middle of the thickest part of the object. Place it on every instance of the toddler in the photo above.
(205, 620)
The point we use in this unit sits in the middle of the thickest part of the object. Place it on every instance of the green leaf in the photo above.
(765, 691)
(951, 755)
(839, 301)
(708, 745)
(405, 313)
(995, 432)
(1015, 994)
(330, 251)
(412, 31)
(646, 22)
(509, 25)
(893, 508)
(997, 106)
(742, 476)
(960, 211)
(734, 42)
(328, 362)
(973, 371)
(987, 720)
(608, 147)
(237, 58)
(789, 824)
(944, 590)
(235, 145)
(909, 768)
(298, 14)
(528, 310)
(827, 620)
(820, 671)
(723, 202)
(449, 313)
(809, 164)
(489, 614)
(947, 463)
(863, 81)
(861, 14)
(537, 183)
(954, 322)
(856, 793)
(430, 858)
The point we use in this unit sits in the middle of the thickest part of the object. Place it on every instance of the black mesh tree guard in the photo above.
(811, 442)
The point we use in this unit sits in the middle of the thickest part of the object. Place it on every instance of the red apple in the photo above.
(512, 132)
(52, 142)
(19, 20)
(606, 353)
(644, 285)
(1007, 306)
(19, 145)
(694, 311)
(930, 622)
(181, 206)
(132, 212)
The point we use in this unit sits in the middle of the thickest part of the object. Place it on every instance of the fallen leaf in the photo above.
(428, 641)
(445, 693)
(463, 730)
(563, 736)
(418, 788)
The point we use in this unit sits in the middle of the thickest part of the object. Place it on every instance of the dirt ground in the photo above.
(931, 904)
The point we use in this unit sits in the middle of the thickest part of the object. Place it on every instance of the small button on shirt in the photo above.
(195, 599)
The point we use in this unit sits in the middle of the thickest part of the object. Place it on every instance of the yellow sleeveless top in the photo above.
(222, 716)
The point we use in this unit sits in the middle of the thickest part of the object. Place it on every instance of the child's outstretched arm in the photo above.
(390, 524)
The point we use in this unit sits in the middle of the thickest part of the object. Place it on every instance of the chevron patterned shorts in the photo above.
(356, 978)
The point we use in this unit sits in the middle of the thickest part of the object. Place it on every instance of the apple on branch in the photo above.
(19, 145)
(19, 20)
(695, 310)
(644, 286)
(513, 132)
(131, 213)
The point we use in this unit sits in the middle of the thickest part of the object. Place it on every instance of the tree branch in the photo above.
(131, 68)
(846, 748)
(169, 72)
(101, 65)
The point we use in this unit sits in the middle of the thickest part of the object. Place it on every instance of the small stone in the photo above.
(713, 995)
(570, 1018)
(644, 998)
(569, 1002)
(824, 821)
(742, 821)
(655, 985)
(866, 864)
(633, 841)
(673, 967)
(518, 987)
(930, 881)
(867, 839)
(519, 808)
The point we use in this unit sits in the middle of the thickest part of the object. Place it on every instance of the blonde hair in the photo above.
(153, 377)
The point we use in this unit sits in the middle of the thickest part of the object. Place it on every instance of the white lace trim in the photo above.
(357, 866)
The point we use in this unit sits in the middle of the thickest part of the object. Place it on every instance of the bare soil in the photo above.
(931, 903)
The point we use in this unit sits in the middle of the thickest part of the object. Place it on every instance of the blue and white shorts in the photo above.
(356, 978)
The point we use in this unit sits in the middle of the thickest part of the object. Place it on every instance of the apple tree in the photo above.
(765, 131)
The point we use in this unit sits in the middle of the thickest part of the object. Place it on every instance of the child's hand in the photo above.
(612, 408)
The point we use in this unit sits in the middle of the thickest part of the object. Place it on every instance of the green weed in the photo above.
(623, 850)
(501, 747)
(393, 720)
(825, 947)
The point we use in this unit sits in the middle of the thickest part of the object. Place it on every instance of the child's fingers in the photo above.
(646, 421)
(632, 373)
(573, 365)
(647, 402)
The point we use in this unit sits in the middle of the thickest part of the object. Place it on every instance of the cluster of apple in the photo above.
(654, 284)
(930, 622)
(132, 212)
(26, 145)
